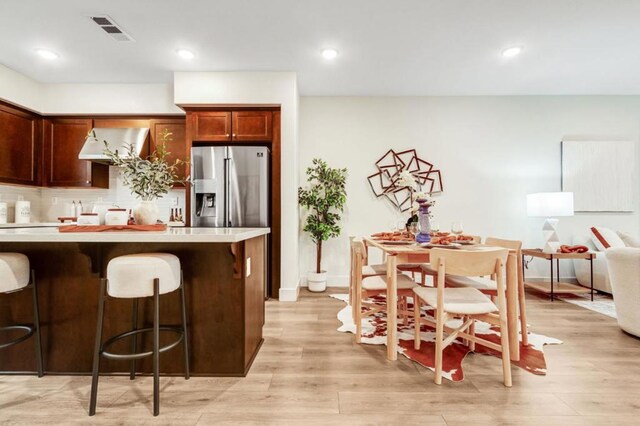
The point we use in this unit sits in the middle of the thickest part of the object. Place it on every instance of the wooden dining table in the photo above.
(412, 253)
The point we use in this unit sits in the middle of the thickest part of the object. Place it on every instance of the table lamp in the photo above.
(550, 205)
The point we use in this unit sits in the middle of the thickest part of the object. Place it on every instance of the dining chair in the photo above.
(365, 287)
(489, 286)
(428, 270)
(466, 302)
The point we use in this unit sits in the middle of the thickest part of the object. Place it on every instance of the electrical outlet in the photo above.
(54, 201)
(248, 268)
(175, 201)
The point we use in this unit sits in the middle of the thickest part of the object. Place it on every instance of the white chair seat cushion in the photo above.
(466, 301)
(132, 275)
(428, 269)
(379, 282)
(481, 283)
(379, 269)
(14, 271)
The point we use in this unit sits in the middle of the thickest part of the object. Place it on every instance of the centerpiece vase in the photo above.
(423, 220)
(146, 213)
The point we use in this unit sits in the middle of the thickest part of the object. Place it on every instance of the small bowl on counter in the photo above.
(89, 219)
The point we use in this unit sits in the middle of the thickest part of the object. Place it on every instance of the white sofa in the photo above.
(624, 270)
(601, 280)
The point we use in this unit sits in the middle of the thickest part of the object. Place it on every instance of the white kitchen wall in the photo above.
(11, 193)
(20, 89)
(492, 151)
(48, 204)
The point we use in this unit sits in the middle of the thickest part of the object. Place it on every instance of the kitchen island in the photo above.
(224, 274)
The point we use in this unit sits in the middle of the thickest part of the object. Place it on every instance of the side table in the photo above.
(557, 287)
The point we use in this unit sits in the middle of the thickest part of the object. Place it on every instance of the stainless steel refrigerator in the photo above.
(230, 186)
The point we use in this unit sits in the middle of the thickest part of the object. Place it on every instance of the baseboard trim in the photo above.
(289, 294)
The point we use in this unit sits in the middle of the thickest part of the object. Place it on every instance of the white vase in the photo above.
(317, 282)
(146, 213)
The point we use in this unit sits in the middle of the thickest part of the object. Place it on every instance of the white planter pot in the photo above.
(146, 213)
(317, 282)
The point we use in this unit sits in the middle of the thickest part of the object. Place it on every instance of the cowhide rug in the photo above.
(374, 332)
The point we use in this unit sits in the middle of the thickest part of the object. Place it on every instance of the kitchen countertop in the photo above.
(30, 225)
(171, 235)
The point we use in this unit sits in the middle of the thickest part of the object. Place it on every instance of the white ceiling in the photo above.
(400, 47)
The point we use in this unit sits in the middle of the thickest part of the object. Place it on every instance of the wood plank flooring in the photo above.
(308, 373)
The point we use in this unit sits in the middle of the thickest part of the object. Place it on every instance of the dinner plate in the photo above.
(395, 242)
(466, 243)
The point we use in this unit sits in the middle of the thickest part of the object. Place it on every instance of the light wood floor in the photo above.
(307, 373)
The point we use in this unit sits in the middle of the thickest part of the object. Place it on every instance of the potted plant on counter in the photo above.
(324, 199)
(148, 178)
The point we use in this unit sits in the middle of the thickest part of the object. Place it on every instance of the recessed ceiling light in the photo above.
(185, 54)
(329, 53)
(47, 54)
(512, 51)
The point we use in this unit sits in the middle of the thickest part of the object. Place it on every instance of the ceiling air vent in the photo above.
(110, 27)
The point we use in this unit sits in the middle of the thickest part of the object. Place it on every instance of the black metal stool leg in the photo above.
(36, 325)
(134, 345)
(185, 342)
(97, 349)
(156, 347)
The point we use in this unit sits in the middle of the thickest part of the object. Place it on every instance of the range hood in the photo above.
(118, 139)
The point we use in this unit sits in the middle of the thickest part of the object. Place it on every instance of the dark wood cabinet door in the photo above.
(20, 146)
(64, 139)
(212, 126)
(176, 143)
(251, 125)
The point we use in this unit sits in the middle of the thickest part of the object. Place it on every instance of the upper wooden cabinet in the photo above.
(228, 126)
(176, 144)
(251, 125)
(212, 126)
(20, 146)
(64, 139)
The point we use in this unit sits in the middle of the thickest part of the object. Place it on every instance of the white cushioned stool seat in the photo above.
(14, 271)
(132, 275)
(379, 269)
(481, 283)
(379, 282)
(465, 301)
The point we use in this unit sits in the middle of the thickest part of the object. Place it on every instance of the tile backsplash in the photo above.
(47, 204)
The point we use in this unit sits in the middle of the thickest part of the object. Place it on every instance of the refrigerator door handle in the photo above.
(226, 219)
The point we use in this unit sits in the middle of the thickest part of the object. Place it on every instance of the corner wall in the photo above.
(492, 151)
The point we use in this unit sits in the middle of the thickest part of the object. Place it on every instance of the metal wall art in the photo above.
(392, 166)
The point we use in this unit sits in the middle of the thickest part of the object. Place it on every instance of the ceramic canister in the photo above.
(23, 211)
(116, 217)
(3, 212)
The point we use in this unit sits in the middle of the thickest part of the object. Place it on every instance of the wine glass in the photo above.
(393, 225)
(456, 228)
(401, 226)
(435, 226)
(414, 228)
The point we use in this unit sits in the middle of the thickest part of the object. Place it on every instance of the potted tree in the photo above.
(324, 200)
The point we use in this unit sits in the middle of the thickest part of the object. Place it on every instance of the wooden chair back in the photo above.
(508, 244)
(469, 263)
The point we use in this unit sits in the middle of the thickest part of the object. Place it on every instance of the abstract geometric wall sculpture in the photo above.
(385, 183)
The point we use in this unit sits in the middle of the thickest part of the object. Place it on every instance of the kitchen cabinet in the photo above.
(212, 126)
(64, 139)
(229, 126)
(176, 144)
(251, 125)
(20, 146)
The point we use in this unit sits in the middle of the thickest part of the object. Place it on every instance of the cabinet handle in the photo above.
(89, 182)
(227, 134)
(234, 135)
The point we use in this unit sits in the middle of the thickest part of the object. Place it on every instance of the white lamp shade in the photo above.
(550, 204)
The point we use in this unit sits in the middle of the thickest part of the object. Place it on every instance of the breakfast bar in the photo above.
(224, 271)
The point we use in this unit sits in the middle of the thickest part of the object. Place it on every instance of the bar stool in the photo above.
(15, 275)
(138, 276)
